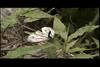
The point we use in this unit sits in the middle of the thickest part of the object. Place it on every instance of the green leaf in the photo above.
(96, 41)
(10, 20)
(82, 30)
(78, 49)
(57, 44)
(51, 52)
(27, 50)
(65, 33)
(58, 26)
(34, 15)
(83, 56)
(31, 19)
(31, 14)
(71, 44)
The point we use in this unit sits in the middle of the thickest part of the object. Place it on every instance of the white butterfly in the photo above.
(45, 34)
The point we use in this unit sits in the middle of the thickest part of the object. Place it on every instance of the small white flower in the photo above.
(39, 36)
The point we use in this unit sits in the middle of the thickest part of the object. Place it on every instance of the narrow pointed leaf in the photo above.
(96, 41)
(83, 56)
(71, 44)
(82, 30)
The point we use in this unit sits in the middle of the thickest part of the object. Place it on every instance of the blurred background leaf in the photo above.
(27, 50)
(34, 15)
(51, 52)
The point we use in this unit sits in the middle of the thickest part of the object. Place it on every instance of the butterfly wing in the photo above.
(36, 38)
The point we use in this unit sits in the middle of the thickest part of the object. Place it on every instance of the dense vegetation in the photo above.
(77, 33)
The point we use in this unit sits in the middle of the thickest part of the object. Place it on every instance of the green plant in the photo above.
(54, 49)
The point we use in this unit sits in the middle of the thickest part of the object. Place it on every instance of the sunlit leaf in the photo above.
(65, 33)
(58, 26)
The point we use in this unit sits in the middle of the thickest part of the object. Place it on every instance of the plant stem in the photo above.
(26, 27)
(95, 18)
(50, 10)
(66, 41)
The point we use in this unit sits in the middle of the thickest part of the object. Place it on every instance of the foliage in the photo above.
(27, 50)
(30, 14)
(82, 30)
(53, 49)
